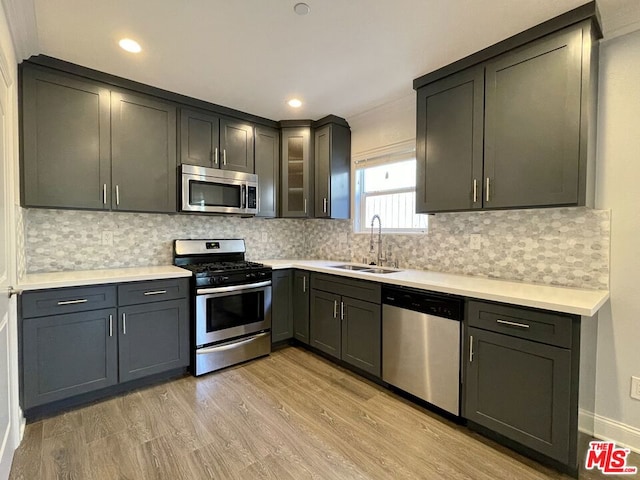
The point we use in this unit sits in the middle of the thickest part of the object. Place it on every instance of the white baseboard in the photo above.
(610, 430)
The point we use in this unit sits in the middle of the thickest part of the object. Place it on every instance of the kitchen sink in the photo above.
(364, 268)
(352, 267)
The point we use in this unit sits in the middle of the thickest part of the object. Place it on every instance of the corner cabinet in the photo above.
(301, 289)
(80, 340)
(332, 170)
(297, 172)
(281, 317)
(345, 320)
(87, 146)
(267, 153)
(513, 131)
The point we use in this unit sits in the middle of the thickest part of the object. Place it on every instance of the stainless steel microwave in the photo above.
(218, 191)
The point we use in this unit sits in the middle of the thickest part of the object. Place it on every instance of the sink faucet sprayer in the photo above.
(381, 257)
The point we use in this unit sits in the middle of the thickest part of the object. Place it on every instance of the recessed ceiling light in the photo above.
(301, 8)
(130, 45)
(295, 103)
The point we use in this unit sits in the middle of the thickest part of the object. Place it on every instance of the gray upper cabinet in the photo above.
(199, 138)
(66, 149)
(208, 140)
(236, 145)
(267, 156)
(297, 172)
(512, 131)
(449, 143)
(332, 171)
(532, 124)
(143, 154)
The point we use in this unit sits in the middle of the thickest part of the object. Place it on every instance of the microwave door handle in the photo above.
(244, 196)
(241, 196)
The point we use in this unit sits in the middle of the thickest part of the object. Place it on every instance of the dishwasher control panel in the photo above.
(424, 302)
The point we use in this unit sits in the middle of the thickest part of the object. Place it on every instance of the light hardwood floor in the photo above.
(288, 416)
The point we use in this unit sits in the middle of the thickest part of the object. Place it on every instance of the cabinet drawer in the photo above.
(550, 328)
(347, 287)
(67, 300)
(153, 291)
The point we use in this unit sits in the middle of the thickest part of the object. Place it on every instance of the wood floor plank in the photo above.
(27, 459)
(292, 415)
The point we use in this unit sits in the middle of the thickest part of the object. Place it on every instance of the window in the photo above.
(386, 185)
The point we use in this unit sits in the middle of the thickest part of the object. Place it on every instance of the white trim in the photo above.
(622, 434)
(405, 146)
(585, 421)
(21, 17)
(620, 31)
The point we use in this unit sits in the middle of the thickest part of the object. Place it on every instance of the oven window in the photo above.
(234, 310)
(214, 194)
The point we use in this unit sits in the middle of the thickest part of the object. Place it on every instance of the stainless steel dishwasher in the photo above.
(421, 345)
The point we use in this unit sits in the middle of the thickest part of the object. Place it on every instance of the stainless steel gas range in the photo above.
(232, 303)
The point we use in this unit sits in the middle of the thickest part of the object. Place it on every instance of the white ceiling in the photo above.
(345, 57)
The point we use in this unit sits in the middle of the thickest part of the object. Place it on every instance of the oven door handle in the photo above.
(228, 346)
(234, 288)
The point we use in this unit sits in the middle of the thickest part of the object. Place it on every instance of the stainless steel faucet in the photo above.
(381, 257)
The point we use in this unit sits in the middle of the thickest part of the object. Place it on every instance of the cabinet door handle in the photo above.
(111, 325)
(475, 190)
(304, 284)
(124, 323)
(73, 302)
(470, 348)
(155, 292)
(335, 309)
(104, 194)
(305, 205)
(224, 156)
(215, 157)
(488, 196)
(513, 324)
(341, 310)
(324, 205)
(117, 195)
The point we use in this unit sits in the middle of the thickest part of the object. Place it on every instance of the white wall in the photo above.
(617, 188)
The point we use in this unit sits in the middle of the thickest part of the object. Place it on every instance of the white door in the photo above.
(9, 425)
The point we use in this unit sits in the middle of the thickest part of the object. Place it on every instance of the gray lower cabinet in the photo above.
(81, 339)
(521, 377)
(267, 155)
(281, 318)
(67, 355)
(301, 289)
(345, 320)
(153, 338)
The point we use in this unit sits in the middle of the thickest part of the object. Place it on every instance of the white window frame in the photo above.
(391, 154)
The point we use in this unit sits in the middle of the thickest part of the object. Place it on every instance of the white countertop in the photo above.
(41, 281)
(576, 301)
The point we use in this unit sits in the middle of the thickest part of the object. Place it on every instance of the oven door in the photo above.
(227, 312)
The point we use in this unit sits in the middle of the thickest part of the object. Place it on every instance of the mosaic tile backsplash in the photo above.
(564, 246)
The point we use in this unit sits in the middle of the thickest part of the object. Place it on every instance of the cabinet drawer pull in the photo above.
(73, 302)
(470, 348)
(104, 194)
(513, 324)
(304, 284)
(155, 292)
(305, 205)
(324, 205)
(475, 190)
(341, 310)
(224, 156)
(111, 325)
(124, 323)
(117, 194)
(335, 309)
(488, 196)
(215, 156)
